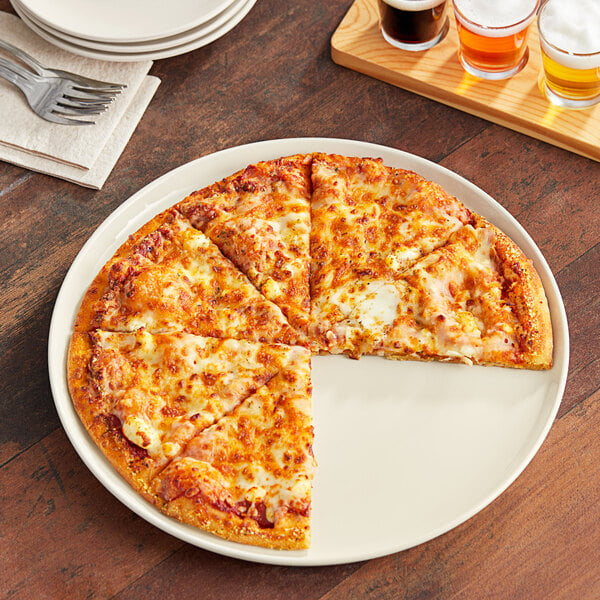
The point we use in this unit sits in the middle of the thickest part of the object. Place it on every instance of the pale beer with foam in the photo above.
(570, 43)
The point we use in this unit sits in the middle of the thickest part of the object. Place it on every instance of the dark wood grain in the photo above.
(60, 525)
(62, 535)
(180, 572)
(579, 285)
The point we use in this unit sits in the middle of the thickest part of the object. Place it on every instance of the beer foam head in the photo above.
(413, 5)
(485, 16)
(574, 27)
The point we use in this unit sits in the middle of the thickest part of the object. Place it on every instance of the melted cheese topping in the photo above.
(346, 296)
(164, 388)
(449, 305)
(398, 259)
(369, 223)
(260, 220)
(452, 304)
(177, 279)
(378, 311)
(258, 457)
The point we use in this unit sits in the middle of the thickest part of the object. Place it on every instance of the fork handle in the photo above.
(13, 76)
(20, 54)
(19, 70)
(39, 69)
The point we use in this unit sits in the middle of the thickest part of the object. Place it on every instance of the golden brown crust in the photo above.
(132, 462)
(526, 292)
(292, 532)
(84, 320)
(467, 302)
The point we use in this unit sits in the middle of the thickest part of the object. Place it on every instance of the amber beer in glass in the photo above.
(413, 24)
(570, 42)
(493, 35)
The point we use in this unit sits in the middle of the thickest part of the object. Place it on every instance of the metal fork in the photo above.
(85, 83)
(54, 99)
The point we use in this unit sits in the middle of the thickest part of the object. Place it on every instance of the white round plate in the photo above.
(148, 46)
(175, 50)
(405, 450)
(124, 20)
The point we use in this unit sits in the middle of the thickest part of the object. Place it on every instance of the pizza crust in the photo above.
(292, 532)
(527, 293)
(131, 462)
(84, 320)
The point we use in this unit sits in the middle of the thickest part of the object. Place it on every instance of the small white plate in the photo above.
(176, 50)
(405, 450)
(147, 46)
(123, 21)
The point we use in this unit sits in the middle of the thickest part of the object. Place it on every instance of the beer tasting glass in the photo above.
(413, 24)
(570, 42)
(493, 35)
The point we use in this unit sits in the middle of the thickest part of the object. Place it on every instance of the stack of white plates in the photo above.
(131, 30)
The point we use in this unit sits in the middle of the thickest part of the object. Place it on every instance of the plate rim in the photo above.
(223, 4)
(176, 50)
(165, 43)
(264, 150)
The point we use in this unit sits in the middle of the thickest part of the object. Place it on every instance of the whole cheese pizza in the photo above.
(189, 364)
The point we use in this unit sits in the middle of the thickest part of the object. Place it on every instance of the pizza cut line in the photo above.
(189, 364)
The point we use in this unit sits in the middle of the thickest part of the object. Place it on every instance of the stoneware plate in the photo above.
(405, 450)
(185, 37)
(124, 20)
(164, 48)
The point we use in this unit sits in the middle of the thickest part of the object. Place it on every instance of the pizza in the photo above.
(468, 301)
(189, 363)
(248, 477)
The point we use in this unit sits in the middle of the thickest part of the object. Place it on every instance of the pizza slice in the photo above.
(476, 300)
(248, 478)
(369, 223)
(173, 278)
(260, 219)
(142, 397)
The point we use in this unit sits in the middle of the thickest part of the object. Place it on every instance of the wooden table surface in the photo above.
(62, 535)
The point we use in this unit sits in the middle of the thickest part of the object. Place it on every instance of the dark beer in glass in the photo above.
(413, 24)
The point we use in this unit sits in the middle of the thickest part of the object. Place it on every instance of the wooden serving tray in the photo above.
(517, 103)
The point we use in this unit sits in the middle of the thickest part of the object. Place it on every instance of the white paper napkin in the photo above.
(82, 154)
